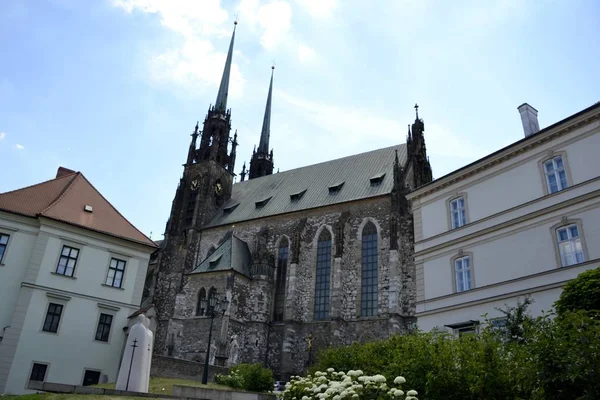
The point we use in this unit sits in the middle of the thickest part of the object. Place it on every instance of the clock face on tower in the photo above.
(195, 185)
(218, 188)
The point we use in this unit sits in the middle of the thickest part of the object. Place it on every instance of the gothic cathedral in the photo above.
(308, 258)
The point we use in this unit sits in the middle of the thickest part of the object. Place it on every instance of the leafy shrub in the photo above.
(252, 377)
(582, 293)
(233, 380)
(550, 359)
(354, 385)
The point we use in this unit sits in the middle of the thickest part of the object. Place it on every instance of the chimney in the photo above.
(63, 172)
(529, 119)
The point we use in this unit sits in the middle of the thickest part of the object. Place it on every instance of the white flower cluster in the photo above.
(353, 385)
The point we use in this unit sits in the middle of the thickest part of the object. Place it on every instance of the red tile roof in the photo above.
(64, 198)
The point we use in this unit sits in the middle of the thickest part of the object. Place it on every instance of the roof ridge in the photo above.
(115, 209)
(38, 184)
(62, 193)
(326, 162)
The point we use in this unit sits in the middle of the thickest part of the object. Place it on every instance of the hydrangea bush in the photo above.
(353, 385)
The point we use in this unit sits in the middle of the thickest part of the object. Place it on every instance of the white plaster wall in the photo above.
(20, 245)
(72, 349)
(92, 267)
(513, 182)
(512, 253)
(542, 302)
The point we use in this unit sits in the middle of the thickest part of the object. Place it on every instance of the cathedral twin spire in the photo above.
(261, 163)
(221, 103)
(215, 135)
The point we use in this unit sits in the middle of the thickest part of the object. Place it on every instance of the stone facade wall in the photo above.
(169, 367)
(283, 346)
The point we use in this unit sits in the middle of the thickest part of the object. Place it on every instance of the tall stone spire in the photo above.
(221, 103)
(263, 146)
(261, 163)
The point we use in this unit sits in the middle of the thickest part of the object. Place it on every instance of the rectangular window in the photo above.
(38, 372)
(556, 177)
(67, 261)
(115, 273)
(3, 244)
(52, 317)
(462, 270)
(457, 212)
(569, 244)
(103, 329)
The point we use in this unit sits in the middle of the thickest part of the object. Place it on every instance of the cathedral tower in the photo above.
(205, 185)
(418, 162)
(261, 163)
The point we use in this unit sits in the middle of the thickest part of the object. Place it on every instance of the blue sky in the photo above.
(113, 88)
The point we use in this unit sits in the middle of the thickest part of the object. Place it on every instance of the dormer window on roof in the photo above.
(261, 203)
(230, 208)
(377, 179)
(215, 260)
(298, 195)
(334, 189)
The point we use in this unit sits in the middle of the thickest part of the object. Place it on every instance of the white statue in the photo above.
(135, 366)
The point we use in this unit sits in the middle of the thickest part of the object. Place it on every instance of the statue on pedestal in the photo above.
(134, 374)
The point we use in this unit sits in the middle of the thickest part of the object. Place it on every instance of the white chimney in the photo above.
(529, 119)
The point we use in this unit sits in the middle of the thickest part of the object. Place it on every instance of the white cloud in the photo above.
(271, 21)
(306, 54)
(319, 8)
(351, 125)
(2, 135)
(344, 123)
(195, 63)
(19, 146)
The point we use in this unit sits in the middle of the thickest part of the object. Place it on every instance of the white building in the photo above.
(72, 270)
(522, 221)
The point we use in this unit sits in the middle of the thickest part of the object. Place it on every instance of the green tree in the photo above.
(516, 319)
(582, 293)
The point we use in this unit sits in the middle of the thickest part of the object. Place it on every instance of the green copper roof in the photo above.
(309, 187)
(232, 254)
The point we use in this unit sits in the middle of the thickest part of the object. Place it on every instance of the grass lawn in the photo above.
(157, 385)
(165, 385)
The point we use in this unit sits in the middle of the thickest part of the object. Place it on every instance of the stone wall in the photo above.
(286, 349)
(169, 367)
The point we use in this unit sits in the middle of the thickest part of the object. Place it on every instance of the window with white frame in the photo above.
(458, 216)
(115, 273)
(3, 244)
(67, 261)
(463, 274)
(556, 176)
(569, 245)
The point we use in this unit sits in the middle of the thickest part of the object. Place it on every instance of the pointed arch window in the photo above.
(369, 281)
(323, 275)
(282, 261)
(201, 296)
